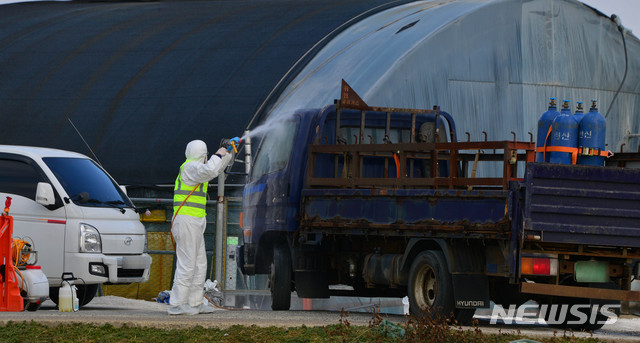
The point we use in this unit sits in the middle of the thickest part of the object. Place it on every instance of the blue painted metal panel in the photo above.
(583, 204)
(407, 208)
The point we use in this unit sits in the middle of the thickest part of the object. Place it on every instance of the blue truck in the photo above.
(387, 202)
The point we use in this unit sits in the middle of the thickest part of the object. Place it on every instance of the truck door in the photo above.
(42, 227)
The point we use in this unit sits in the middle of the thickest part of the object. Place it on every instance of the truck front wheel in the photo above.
(280, 278)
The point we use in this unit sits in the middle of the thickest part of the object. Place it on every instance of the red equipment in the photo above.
(10, 299)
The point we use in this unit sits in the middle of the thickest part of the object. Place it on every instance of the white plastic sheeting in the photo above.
(492, 64)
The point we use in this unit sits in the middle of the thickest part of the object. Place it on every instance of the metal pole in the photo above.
(247, 169)
(219, 229)
(247, 153)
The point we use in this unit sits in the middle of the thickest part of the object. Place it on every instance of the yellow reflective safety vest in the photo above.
(195, 205)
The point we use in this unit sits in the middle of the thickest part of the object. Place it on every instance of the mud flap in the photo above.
(240, 258)
(470, 291)
(311, 284)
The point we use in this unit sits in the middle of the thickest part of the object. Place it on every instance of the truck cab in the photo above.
(272, 195)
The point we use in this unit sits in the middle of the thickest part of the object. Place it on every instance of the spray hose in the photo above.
(20, 259)
(21, 250)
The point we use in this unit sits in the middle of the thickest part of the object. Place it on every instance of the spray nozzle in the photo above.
(231, 144)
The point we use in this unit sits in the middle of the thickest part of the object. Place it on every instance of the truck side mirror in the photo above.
(124, 189)
(44, 194)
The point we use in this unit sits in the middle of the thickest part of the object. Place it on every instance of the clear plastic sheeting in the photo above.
(492, 64)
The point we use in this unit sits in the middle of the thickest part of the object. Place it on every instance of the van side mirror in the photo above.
(124, 189)
(44, 194)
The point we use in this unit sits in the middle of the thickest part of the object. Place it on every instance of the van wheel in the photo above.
(53, 294)
(85, 293)
(431, 290)
(280, 278)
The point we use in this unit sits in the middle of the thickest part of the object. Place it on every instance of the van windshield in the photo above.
(86, 183)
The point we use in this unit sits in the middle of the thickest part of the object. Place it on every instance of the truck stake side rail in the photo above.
(410, 157)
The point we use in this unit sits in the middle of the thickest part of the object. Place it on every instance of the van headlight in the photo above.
(89, 239)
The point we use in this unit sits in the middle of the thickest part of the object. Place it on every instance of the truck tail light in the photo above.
(241, 217)
(539, 266)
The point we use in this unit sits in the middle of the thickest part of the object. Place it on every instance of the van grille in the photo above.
(126, 273)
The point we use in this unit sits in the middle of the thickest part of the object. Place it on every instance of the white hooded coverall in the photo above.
(188, 231)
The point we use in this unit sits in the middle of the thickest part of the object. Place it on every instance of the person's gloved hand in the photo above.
(236, 140)
(222, 152)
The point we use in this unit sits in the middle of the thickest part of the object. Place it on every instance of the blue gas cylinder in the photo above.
(564, 133)
(579, 114)
(591, 137)
(544, 123)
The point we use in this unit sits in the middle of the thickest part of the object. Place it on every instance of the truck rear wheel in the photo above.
(280, 278)
(430, 286)
(589, 319)
(590, 316)
(431, 289)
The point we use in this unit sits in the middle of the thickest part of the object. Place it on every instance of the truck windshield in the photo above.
(274, 150)
(80, 175)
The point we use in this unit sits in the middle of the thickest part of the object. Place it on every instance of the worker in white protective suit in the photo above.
(189, 223)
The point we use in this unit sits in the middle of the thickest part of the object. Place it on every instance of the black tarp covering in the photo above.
(141, 79)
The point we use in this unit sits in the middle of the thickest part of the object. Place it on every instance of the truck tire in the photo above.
(594, 306)
(600, 319)
(280, 278)
(565, 323)
(430, 288)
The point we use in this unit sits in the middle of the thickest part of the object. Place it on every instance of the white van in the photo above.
(78, 218)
